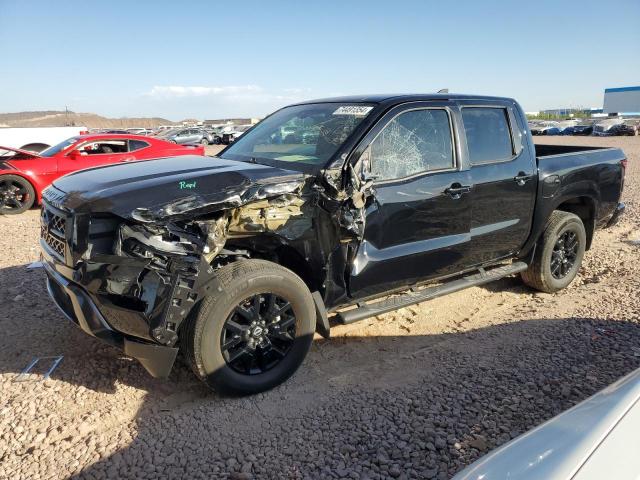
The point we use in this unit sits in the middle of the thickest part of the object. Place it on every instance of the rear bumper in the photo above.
(617, 213)
(76, 304)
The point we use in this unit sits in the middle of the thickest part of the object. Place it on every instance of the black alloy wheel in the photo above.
(258, 334)
(558, 253)
(16, 194)
(564, 254)
(253, 328)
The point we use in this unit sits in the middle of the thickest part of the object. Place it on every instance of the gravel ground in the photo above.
(417, 393)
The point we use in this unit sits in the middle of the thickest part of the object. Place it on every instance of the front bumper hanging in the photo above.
(76, 304)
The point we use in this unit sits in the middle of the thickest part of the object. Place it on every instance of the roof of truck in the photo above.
(393, 98)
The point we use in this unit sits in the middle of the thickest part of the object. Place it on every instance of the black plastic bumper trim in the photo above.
(76, 305)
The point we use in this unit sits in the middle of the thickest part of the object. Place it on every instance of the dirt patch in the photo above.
(417, 393)
(212, 150)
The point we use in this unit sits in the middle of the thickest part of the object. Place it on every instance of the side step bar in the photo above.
(416, 296)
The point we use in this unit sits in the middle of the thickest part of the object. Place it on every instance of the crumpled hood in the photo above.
(169, 187)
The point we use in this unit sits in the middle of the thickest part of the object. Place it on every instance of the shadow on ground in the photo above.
(360, 407)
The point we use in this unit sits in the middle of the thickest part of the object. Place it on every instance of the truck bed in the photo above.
(566, 171)
(548, 150)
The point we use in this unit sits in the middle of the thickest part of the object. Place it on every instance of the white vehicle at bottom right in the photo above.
(597, 439)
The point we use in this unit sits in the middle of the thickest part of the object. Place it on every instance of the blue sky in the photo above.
(197, 59)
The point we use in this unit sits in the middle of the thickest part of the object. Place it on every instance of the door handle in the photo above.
(128, 159)
(522, 178)
(456, 190)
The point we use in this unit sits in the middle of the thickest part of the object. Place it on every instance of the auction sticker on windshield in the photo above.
(357, 110)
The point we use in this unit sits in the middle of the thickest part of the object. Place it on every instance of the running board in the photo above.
(416, 296)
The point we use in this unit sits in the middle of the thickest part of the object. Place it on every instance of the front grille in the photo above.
(57, 225)
(52, 231)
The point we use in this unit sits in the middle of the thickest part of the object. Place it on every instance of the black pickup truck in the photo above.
(329, 211)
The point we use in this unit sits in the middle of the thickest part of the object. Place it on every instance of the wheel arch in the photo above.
(272, 250)
(582, 204)
(277, 250)
(585, 208)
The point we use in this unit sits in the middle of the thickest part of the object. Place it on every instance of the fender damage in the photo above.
(312, 228)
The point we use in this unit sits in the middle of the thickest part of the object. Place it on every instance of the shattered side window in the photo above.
(413, 142)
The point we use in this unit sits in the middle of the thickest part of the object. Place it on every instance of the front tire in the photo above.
(558, 255)
(17, 195)
(253, 330)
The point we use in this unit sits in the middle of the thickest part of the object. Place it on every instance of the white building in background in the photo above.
(623, 100)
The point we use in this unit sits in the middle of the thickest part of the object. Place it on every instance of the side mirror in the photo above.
(361, 179)
(363, 166)
(74, 154)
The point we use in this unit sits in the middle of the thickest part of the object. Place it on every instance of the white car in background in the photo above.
(231, 133)
(598, 439)
(139, 131)
(37, 139)
(239, 130)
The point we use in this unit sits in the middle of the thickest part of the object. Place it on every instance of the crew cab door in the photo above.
(418, 218)
(503, 173)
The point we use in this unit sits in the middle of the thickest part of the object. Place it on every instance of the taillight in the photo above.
(624, 163)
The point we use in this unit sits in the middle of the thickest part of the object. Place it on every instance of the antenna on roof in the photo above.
(443, 90)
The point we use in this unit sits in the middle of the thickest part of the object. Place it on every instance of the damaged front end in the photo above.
(132, 281)
(128, 266)
(179, 254)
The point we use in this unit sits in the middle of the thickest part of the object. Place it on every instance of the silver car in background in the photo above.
(598, 439)
(188, 135)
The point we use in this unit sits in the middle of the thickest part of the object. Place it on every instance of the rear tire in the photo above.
(204, 141)
(557, 261)
(17, 195)
(263, 353)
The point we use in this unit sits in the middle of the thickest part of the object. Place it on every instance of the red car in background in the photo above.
(23, 174)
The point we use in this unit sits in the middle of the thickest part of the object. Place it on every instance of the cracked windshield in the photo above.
(307, 134)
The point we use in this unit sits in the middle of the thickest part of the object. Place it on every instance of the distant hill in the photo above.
(54, 118)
